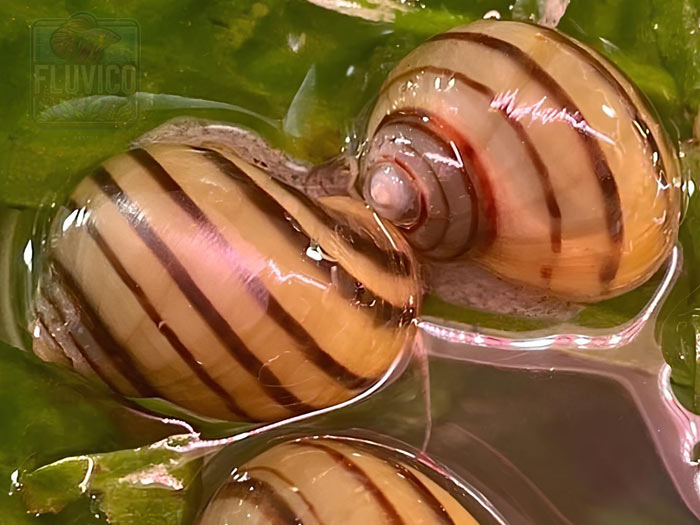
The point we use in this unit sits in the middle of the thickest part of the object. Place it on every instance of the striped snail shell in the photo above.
(187, 274)
(331, 480)
(527, 152)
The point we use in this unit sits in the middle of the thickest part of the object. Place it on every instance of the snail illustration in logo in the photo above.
(523, 150)
(81, 39)
(187, 274)
(333, 481)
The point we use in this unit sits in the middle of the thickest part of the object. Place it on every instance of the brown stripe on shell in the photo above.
(387, 314)
(284, 320)
(383, 312)
(360, 475)
(201, 303)
(521, 132)
(423, 204)
(312, 351)
(292, 486)
(172, 338)
(265, 498)
(90, 320)
(394, 262)
(546, 272)
(642, 128)
(424, 494)
(640, 125)
(443, 133)
(603, 173)
(81, 350)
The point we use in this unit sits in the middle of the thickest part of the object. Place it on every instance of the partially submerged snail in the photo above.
(331, 481)
(187, 274)
(527, 152)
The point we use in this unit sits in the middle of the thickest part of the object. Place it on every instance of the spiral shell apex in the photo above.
(187, 274)
(529, 153)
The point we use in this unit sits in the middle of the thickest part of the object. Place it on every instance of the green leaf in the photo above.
(678, 40)
(49, 413)
(153, 485)
(678, 325)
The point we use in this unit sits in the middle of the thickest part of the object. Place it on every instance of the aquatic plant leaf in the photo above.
(49, 413)
(678, 40)
(150, 485)
(118, 110)
(678, 333)
(678, 325)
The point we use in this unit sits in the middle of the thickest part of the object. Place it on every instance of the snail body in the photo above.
(187, 274)
(528, 153)
(331, 481)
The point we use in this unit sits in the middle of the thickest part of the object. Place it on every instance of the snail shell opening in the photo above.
(528, 153)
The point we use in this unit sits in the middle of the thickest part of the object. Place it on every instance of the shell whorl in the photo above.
(444, 213)
(569, 181)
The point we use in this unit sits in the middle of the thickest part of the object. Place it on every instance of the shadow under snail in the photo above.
(182, 270)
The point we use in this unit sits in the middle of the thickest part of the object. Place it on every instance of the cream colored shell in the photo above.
(189, 275)
(331, 482)
(577, 188)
